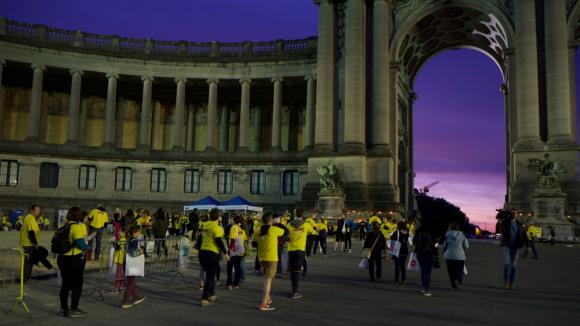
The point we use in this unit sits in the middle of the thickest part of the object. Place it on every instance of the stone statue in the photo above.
(547, 171)
(329, 178)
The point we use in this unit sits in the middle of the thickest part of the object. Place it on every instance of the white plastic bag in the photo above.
(413, 264)
(58, 278)
(395, 247)
(135, 266)
(184, 249)
(464, 269)
(111, 261)
(364, 263)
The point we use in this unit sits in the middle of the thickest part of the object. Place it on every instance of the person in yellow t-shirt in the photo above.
(298, 231)
(267, 236)
(29, 237)
(212, 243)
(322, 232)
(119, 259)
(237, 249)
(98, 219)
(46, 223)
(6, 225)
(72, 265)
(311, 238)
(255, 227)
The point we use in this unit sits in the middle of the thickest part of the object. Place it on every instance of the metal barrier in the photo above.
(12, 276)
(169, 255)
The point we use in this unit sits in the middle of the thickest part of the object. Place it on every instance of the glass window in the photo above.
(8, 173)
(48, 175)
(87, 177)
(124, 179)
(225, 182)
(191, 181)
(290, 182)
(158, 180)
(258, 182)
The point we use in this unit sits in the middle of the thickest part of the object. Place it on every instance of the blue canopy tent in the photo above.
(203, 204)
(239, 203)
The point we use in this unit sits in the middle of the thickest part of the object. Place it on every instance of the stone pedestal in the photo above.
(549, 211)
(331, 204)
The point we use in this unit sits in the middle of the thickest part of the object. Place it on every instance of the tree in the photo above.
(437, 213)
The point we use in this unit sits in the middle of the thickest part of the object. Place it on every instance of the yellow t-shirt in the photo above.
(77, 231)
(237, 231)
(268, 244)
(145, 221)
(297, 236)
(210, 231)
(120, 253)
(321, 227)
(99, 218)
(386, 231)
(257, 226)
(29, 224)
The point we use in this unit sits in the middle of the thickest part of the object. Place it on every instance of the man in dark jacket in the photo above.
(513, 239)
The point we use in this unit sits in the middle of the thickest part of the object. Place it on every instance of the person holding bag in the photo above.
(237, 248)
(425, 250)
(454, 248)
(131, 298)
(400, 251)
(374, 250)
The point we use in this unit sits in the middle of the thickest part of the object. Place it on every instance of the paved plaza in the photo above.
(336, 292)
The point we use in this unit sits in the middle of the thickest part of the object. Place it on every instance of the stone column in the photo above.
(190, 131)
(557, 71)
(210, 141)
(120, 123)
(325, 83)
(179, 114)
(82, 130)
(276, 107)
(156, 133)
(309, 128)
(528, 116)
(572, 87)
(144, 123)
(110, 110)
(74, 106)
(2, 94)
(35, 103)
(223, 129)
(244, 114)
(354, 72)
(381, 88)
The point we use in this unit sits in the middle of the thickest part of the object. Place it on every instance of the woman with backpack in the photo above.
(454, 248)
(425, 250)
(400, 239)
(72, 262)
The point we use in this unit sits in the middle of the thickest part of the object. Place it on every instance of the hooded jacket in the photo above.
(455, 245)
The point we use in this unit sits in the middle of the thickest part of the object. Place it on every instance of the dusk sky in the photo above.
(459, 119)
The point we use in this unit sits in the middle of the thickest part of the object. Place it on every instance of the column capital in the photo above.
(212, 81)
(245, 81)
(311, 76)
(35, 66)
(149, 78)
(111, 75)
(180, 80)
(277, 79)
(76, 71)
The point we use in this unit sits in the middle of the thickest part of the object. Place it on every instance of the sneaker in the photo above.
(423, 291)
(229, 287)
(139, 300)
(297, 296)
(64, 313)
(212, 299)
(77, 313)
(428, 294)
(126, 305)
(206, 303)
(265, 307)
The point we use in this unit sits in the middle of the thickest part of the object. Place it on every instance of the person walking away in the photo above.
(425, 250)
(130, 297)
(310, 239)
(159, 228)
(237, 250)
(98, 219)
(315, 238)
(72, 265)
(362, 229)
(194, 223)
(298, 231)
(119, 259)
(281, 247)
(454, 251)
(376, 245)
(268, 255)
(322, 229)
(29, 238)
(552, 236)
(212, 244)
(512, 240)
(129, 219)
(348, 226)
(401, 235)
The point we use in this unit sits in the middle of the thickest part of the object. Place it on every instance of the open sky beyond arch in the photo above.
(459, 119)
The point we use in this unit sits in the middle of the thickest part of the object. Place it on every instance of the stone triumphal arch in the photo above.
(89, 118)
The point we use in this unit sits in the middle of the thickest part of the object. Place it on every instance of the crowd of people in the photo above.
(283, 244)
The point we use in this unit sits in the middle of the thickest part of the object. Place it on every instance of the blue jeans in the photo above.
(426, 261)
(98, 237)
(510, 263)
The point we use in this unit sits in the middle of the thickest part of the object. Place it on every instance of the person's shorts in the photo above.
(339, 236)
(269, 268)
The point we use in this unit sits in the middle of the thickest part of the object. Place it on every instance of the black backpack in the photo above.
(60, 241)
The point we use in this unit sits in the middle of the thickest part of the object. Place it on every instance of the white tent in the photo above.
(239, 204)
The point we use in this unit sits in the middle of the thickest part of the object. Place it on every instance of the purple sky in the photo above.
(459, 121)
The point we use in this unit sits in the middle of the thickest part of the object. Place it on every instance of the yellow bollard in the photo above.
(20, 298)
